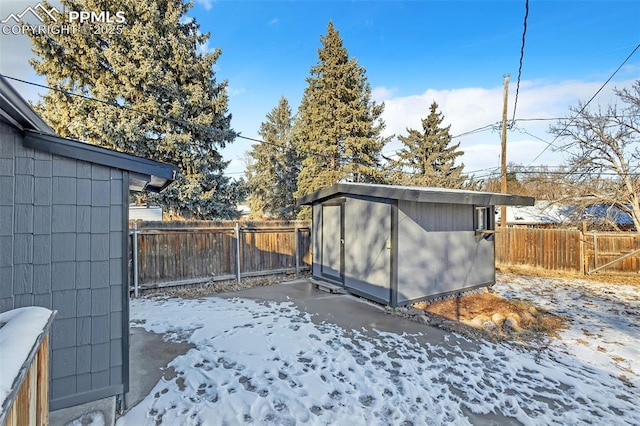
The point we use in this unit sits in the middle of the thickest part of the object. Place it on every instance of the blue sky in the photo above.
(453, 52)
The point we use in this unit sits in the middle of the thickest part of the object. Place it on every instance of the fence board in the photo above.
(191, 252)
(170, 252)
(604, 247)
(567, 249)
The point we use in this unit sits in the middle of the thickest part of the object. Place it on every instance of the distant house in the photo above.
(398, 245)
(145, 213)
(607, 216)
(544, 214)
(64, 246)
(244, 210)
(547, 214)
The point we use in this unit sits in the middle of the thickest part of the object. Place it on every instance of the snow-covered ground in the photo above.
(269, 363)
(605, 319)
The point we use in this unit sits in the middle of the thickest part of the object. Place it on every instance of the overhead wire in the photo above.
(190, 124)
(492, 126)
(521, 130)
(524, 33)
(567, 118)
(94, 99)
(153, 115)
(584, 107)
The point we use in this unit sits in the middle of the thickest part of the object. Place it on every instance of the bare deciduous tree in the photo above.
(604, 154)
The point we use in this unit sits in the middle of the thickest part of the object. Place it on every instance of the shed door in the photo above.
(367, 269)
(332, 241)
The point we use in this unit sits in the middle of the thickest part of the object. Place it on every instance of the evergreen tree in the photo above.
(153, 63)
(274, 166)
(339, 128)
(428, 157)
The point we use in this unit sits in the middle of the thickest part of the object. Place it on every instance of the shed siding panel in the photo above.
(56, 251)
(317, 239)
(367, 230)
(438, 251)
(331, 250)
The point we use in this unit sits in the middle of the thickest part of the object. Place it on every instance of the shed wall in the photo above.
(438, 250)
(61, 247)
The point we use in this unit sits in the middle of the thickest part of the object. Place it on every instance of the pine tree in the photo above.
(274, 166)
(339, 129)
(152, 63)
(428, 157)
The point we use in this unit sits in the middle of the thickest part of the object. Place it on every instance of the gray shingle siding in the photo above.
(61, 247)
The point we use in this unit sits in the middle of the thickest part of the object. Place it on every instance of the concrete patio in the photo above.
(150, 354)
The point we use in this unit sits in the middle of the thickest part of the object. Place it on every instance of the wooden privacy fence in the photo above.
(569, 250)
(178, 253)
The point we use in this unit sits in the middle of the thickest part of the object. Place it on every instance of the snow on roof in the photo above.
(603, 212)
(541, 212)
(549, 212)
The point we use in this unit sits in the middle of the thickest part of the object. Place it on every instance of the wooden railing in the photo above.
(24, 366)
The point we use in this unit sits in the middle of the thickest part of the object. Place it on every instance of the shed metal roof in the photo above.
(146, 174)
(416, 193)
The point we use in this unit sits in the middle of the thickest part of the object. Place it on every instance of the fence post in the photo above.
(595, 250)
(237, 251)
(583, 258)
(134, 266)
(297, 242)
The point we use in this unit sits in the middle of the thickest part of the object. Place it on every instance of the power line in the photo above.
(524, 33)
(521, 130)
(493, 126)
(496, 174)
(584, 107)
(112, 104)
(478, 130)
(154, 115)
(186, 123)
(568, 118)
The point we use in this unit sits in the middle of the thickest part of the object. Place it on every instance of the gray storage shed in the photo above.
(398, 245)
(64, 246)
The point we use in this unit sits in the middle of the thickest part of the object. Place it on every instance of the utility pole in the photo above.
(503, 155)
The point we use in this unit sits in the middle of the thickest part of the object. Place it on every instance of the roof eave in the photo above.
(151, 175)
(417, 194)
(19, 110)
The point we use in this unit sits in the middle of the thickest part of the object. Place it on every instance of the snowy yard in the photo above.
(270, 363)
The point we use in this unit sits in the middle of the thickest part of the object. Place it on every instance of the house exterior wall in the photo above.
(62, 246)
(367, 234)
(439, 251)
